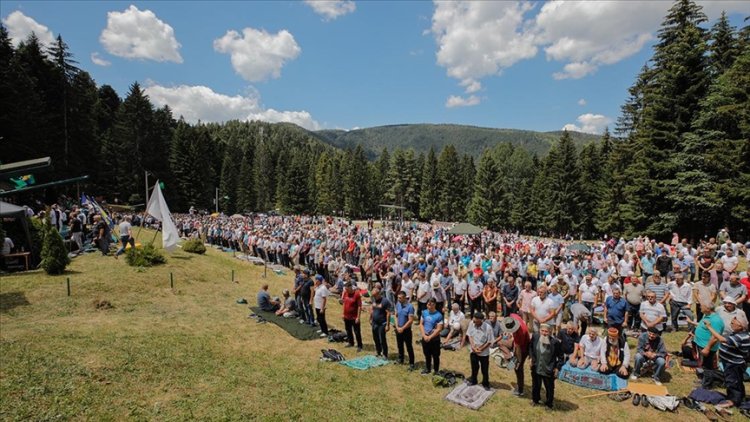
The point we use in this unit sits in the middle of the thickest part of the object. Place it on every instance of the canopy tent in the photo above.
(10, 211)
(580, 247)
(465, 228)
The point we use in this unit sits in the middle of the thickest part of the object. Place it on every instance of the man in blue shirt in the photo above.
(404, 321)
(265, 302)
(430, 326)
(706, 344)
(616, 310)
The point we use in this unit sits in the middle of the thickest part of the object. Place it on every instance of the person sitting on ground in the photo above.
(589, 350)
(265, 302)
(615, 354)
(453, 329)
(651, 348)
(569, 339)
(289, 307)
(734, 351)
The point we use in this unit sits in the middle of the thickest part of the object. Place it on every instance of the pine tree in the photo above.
(450, 180)
(429, 198)
(325, 180)
(482, 208)
(468, 173)
(54, 255)
(588, 187)
(246, 180)
(264, 176)
(230, 172)
(521, 177)
(564, 178)
(724, 45)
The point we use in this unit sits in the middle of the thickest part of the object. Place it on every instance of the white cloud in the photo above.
(202, 103)
(21, 26)
(136, 34)
(332, 9)
(457, 101)
(589, 123)
(98, 60)
(257, 55)
(478, 39)
(471, 85)
(582, 102)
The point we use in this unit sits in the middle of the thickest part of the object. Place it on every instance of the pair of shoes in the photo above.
(425, 372)
(636, 399)
(516, 392)
(470, 382)
(486, 387)
(412, 367)
(620, 397)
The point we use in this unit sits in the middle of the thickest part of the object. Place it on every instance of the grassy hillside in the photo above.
(192, 353)
(468, 139)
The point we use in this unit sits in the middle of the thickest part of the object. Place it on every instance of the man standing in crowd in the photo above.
(430, 326)
(652, 313)
(616, 310)
(546, 360)
(703, 292)
(480, 338)
(379, 316)
(634, 296)
(352, 303)
(515, 325)
(320, 300)
(126, 236)
(404, 321)
(680, 299)
(542, 308)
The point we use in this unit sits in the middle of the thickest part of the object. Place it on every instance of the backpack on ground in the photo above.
(331, 355)
(336, 336)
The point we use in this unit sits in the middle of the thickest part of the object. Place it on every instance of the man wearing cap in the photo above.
(480, 338)
(515, 325)
(439, 294)
(703, 292)
(680, 299)
(320, 300)
(615, 354)
(728, 312)
(733, 352)
(352, 307)
(651, 348)
(616, 310)
(380, 313)
(546, 360)
(404, 321)
(430, 326)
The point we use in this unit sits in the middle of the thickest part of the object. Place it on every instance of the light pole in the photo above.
(216, 200)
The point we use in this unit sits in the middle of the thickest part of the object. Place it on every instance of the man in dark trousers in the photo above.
(480, 338)
(515, 325)
(546, 359)
(379, 320)
(404, 321)
(352, 304)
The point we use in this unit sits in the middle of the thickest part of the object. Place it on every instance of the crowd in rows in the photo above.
(521, 297)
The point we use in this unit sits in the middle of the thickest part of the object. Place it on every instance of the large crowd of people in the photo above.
(550, 301)
(558, 301)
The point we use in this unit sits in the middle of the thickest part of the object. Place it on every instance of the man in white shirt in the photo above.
(543, 309)
(126, 236)
(680, 298)
(589, 351)
(588, 293)
(455, 318)
(652, 313)
(730, 261)
(407, 286)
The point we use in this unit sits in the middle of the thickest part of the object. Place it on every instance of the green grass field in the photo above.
(192, 353)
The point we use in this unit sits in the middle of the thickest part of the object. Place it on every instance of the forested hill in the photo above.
(470, 140)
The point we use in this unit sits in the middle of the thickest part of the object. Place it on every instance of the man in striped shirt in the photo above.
(734, 351)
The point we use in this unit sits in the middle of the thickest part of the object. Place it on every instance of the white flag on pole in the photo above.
(157, 207)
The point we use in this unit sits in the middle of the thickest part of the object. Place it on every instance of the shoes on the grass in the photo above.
(619, 397)
(242, 301)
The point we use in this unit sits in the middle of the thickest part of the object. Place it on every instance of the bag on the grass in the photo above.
(336, 336)
(664, 403)
(331, 355)
(446, 378)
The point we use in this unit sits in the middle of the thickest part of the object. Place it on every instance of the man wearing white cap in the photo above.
(728, 312)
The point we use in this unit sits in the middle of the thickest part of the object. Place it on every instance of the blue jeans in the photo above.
(307, 314)
(659, 362)
(125, 240)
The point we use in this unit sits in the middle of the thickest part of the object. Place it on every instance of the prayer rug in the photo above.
(471, 396)
(590, 379)
(365, 362)
(290, 325)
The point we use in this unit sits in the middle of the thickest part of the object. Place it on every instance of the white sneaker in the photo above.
(323, 335)
(657, 382)
(633, 377)
(319, 331)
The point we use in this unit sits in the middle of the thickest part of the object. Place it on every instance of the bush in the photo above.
(54, 256)
(146, 256)
(194, 246)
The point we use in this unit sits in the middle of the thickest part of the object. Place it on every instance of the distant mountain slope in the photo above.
(467, 139)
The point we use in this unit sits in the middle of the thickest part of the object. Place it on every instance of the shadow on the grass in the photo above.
(184, 258)
(12, 300)
(564, 405)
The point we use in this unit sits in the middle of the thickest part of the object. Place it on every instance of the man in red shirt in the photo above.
(515, 325)
(352, 302)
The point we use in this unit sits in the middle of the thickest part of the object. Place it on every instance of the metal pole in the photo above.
(146, 182)
(217, 200)
(68, 281)
(171, 280)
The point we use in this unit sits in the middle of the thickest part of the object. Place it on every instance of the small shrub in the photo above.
(146, 256)
(194, 246)
(54, 256)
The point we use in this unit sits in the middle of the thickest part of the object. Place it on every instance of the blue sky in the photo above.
(352, 64)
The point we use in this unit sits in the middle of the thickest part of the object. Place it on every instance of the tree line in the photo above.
(677, 160)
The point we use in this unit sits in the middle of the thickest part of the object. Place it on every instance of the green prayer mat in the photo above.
(290, 325)
(364, 362)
